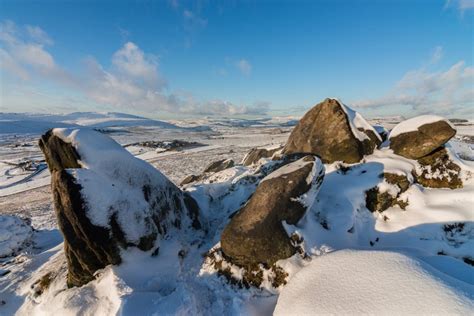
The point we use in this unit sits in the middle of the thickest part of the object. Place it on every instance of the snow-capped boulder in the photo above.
(219, 165)
(334, 132)
(15, 234)
(438, 170)
(106, 200)
(387, 192)
(421, 135)
(255, 154)
(256, 235)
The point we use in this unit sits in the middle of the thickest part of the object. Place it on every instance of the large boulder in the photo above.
(106, 200)
(255, 235)
(421, 135)
(334, 132)
(255, 154)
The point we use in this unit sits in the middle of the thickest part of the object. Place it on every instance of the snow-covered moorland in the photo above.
(414, 256)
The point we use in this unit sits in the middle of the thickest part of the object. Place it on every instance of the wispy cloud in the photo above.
(193, 19)
(244, 67)
(133, 81)
(461, 5)
(443, 92)
(37, 34)
(437, 55)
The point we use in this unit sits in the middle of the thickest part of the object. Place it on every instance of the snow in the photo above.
(373, 282)
(292, 167)
(112, 181)
(414, 123)
(15, 234)
(356, 121)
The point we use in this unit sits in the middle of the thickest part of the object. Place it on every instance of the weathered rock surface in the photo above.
(420, 136)
(105, 199)
(377, 200)
(438, 170)
(334, 132)
(255, 234)
(219, 165)
(213, 167)
(255, 154)
(190, 179)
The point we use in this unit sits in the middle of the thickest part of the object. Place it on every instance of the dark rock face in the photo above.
(325, 131)
(255, 154)
(417, 144)
(59, 155)
(377, 201)
(219, 165)
(437, 170)
(256, 234)
(90, 247)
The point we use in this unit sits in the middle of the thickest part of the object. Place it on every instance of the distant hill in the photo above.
(35, 123)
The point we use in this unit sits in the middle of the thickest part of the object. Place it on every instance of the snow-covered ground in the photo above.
(398, 258)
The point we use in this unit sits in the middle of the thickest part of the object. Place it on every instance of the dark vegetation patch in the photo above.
(167, 145)
(253, 275)
(42, 284)
(377, 201)
(438, 171)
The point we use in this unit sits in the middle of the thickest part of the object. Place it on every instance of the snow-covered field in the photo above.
(409, 261)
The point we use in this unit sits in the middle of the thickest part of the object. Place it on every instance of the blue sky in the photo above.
(178, 59)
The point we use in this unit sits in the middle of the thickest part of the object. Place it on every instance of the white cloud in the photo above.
(443, 92)
(131, 61)
(132, 82)
(244, 67)
(24, 52)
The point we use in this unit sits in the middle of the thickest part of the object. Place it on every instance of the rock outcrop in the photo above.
(420, 136)
(334, 132)
(219, 165)
(255, 154)
(438, 170)
(106, 200)
(378, 199)
(213, 167)
(255, 235)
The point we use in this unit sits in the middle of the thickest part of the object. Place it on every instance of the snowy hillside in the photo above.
(386, 234)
